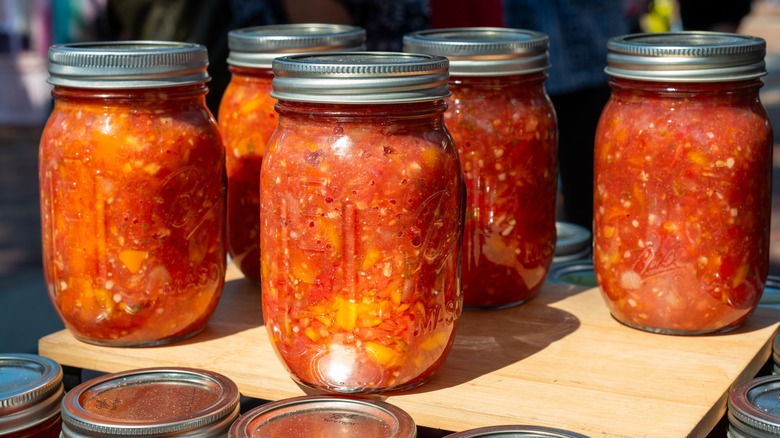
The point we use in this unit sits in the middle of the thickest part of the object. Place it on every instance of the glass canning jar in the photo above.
(683, 165)
(247, 119)
(361, 219)
(506, 132)
(132, 186)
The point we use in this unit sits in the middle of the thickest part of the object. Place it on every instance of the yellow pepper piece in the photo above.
(346, 314)
(395, 296)
(383, 355)
(698, 158)
(740, 275)
(303, 273)
(104, 299)
(133, 259)
(430, 157)
(372, 256)
(312, 334)
(437, 340)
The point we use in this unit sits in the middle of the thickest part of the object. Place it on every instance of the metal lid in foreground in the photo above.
(754, 407)
(169, 402)
(330, 416)
(516, 431)
(30, 391)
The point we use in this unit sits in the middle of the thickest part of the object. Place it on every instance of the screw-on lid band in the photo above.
(686, 57)
(127, 64)
(484, 51)
(360, 77)
(256, 47)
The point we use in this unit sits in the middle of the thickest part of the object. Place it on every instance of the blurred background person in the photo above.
(208, 22)
(578, 32)
(713, 15)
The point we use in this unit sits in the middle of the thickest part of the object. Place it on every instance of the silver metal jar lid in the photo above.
(516, 431)
(331, 416)
(257, 46)
(754, 408)
(484, 51)
(127, 64)
(572, 241)
(360, 77)
(151, 402)
(691, 56)
(579, 272)
(30, 391)
(771, 298)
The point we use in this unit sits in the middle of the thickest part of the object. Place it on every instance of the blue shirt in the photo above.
(578, 32)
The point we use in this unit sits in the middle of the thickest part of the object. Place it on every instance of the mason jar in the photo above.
(506, 132)
(361, 221)
(247, 119)
(683, 168)
(131, 171)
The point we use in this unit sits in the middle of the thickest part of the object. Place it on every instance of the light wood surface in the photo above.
(559, 360)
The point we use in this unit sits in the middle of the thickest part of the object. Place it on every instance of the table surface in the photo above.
(559, 360)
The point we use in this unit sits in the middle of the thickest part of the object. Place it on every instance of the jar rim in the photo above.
(127, 64)
(686, 56)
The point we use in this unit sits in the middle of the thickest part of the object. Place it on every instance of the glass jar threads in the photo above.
(131, 170)
(247, 119)
(31, 390)
(170, 402)
(361, 221)
(506, 132)
(683, 182)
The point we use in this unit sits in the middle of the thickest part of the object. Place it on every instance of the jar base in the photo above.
(665, 331)
(360, 391)
(154, 343)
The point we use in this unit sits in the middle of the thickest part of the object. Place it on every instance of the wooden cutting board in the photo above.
(559, 360)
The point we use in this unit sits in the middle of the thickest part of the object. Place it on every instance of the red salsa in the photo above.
(132, 203)
(506, 134)
(246, 119)
(682, 204)
(361, 224)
